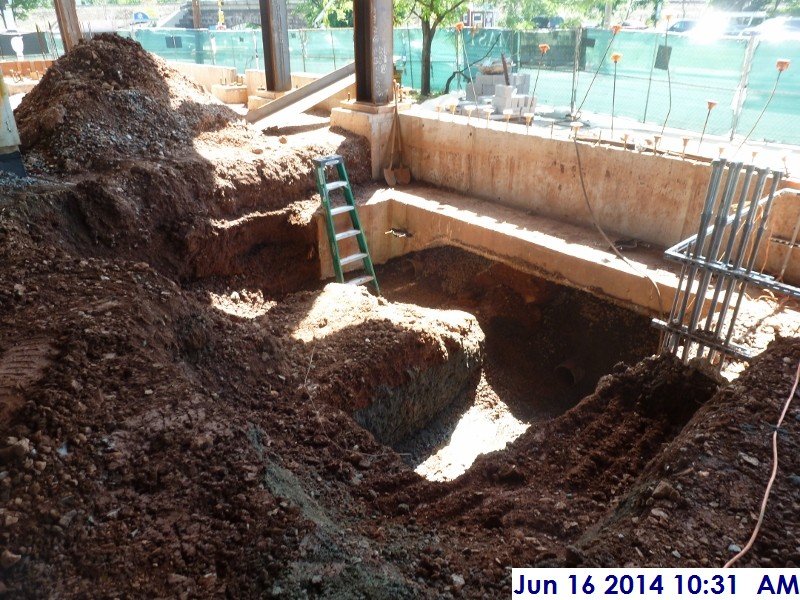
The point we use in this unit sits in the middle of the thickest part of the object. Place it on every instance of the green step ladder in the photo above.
(334, 237)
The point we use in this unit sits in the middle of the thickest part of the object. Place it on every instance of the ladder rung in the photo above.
(327, 161)
(335, 185)
(360, 280)
(347, 234)
(353, 258)
(341, 209)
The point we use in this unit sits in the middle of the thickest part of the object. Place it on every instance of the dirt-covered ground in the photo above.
(162, 435)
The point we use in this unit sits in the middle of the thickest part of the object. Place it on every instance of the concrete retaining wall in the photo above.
(205, 76)
(655, 199)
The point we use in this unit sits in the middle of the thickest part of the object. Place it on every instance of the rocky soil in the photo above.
(162, 435)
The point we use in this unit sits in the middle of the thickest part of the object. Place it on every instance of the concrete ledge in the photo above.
(373, 126)
(560, 252)
(230, 93)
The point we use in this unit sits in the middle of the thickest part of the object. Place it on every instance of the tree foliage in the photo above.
(772, 7)
(327, 13)
(431, 14)
(20, 8)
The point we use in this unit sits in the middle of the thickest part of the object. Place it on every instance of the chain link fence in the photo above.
(660, 78)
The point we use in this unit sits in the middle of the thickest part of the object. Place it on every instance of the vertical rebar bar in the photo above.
(575, 67)
(717, 168)
(747, 228)
(713, 248)
(726, 255)
(776, 178)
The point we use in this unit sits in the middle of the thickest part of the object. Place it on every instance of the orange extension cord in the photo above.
(753, 537)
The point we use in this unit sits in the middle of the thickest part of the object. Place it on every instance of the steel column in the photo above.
(373, 50)
(275, 34)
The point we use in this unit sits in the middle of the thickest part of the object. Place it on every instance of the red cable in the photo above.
(753, 537)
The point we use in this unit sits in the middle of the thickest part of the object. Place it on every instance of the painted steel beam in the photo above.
(373, 51)
(275, 35)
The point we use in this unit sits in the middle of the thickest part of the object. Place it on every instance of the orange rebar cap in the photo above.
(615, 29)
(544, 48)
(711, 104)
(782, 64)
(459, 26)
(616, 56)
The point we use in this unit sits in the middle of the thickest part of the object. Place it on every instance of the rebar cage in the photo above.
(719, 263)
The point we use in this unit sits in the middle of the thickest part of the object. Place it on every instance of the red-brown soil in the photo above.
(153, 445)
(167, 174)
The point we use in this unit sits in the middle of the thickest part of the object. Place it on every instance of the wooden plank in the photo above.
(68, 23)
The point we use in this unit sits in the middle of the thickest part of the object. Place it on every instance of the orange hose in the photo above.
(753, 537)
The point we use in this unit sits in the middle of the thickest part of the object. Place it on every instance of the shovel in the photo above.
(388, 172)
(400, 174)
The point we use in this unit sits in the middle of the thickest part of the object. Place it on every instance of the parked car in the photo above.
(714, 25)
(779, 28)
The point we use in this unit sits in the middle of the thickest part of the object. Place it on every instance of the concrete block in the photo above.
(230, 94)
(254, 102)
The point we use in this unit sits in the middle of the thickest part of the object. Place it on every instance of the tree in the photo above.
(522, 15)
(328, 13)
(20, 8)
(431, 14)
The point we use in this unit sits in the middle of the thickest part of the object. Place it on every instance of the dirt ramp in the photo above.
(392, 366)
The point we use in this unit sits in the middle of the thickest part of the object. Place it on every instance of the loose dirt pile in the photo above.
(110, 100)
(165, 173)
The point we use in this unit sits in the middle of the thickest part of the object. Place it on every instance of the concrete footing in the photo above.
(398, 222)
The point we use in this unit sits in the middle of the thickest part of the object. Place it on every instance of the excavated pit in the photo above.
(546, 348)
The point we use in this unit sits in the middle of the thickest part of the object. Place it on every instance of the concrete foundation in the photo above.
(255, 80)
(206, 76)
(398, 222)
(376, 127)
(518, 199)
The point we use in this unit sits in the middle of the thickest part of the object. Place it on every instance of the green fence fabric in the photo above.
(698, 71)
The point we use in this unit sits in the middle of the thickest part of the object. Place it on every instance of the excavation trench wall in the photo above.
(654, 199)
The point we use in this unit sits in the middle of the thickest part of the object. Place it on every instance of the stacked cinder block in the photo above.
(506, 97)
(493, 88)
(485, 85)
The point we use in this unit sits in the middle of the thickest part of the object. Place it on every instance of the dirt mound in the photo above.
(166, 174)
(109, 99)
(392, 366)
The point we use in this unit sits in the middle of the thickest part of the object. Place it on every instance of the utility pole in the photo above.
(68, 23)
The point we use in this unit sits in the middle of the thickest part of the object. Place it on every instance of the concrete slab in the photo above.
(400, 221)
